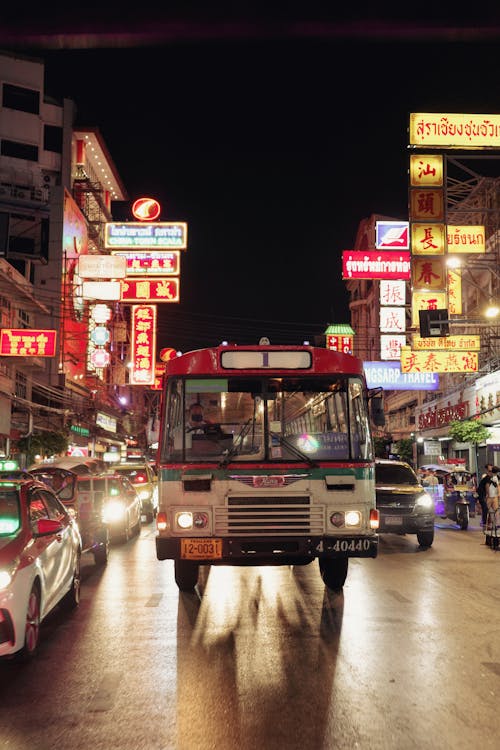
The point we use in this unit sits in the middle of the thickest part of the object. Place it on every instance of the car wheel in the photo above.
(186, 574)
(425, 538)
(32, 626)
(101, 552)
(136, 528)
(72, 598)
(334, 572)
(463, 519)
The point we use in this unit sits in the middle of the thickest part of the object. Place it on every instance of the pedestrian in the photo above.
(482, 492)
(492, 499)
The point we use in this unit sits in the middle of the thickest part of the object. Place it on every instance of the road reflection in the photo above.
(256, 657)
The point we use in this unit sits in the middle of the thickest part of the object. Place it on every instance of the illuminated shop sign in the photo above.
(22, 342)
(392, 292)
(390, 345)
(143, 348)
(105, 290)
(374, 264)
(165, 234)
(466, 239)
(454, 130)
(337, 343)
(101, 267)
(388, 375)
(150, 290)
(437, 361)
(146, 209)
(150, 262)
(426, 170)
(465, 342)
(105, 421)
(392, 235)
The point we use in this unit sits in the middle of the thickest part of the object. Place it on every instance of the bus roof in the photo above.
(208, 361)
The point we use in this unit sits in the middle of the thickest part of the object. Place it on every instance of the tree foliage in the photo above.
(468, 431)
(44, 444)
(404, 449)
(380, 445)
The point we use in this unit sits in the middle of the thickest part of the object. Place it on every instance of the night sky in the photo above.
(272, 140)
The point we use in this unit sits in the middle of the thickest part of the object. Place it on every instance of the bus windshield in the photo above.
(288, 419)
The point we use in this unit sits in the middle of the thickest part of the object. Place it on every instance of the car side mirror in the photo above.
(46, 527)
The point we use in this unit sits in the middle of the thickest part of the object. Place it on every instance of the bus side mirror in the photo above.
(377, 411)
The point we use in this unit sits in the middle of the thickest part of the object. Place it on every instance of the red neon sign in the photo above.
(143, 345)
(150, 290)
(146, 209)
(22, 342)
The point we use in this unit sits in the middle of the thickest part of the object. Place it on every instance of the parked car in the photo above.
(121, 505)
(75, 489)
(145, 481)
(403, 503)
(40, 547)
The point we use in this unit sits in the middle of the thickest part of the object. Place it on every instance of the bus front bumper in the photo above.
(262, 550)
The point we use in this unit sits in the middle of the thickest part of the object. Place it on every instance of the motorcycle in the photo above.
(459, 497)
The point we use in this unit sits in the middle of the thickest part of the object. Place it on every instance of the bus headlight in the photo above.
(184, 520)
(353, 518)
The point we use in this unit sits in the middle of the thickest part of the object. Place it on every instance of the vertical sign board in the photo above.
(143, 347)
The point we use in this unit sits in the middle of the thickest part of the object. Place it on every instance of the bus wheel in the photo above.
(186, 574)
(333, 572)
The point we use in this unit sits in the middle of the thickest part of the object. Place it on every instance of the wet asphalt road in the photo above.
(408, 656)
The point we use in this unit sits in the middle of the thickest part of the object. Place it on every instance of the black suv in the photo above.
(404, 505)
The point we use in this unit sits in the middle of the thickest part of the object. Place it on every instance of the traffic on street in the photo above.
(407, 656)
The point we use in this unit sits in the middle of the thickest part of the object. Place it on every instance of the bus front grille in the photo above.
(269, 516)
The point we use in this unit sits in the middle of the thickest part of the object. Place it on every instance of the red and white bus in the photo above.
(265, 457)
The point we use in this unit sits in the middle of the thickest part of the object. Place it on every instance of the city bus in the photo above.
(265, 457)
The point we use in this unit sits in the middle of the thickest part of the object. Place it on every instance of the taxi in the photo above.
(40, 547)
(145, 482)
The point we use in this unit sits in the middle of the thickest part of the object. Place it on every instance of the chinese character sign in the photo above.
(150, 290)
(337, 343)
(392, 292)
(392, 319)
(390, 346)
(426, 204)
(426, 301)
(428, 239)
(438, 361)
(455, 291)
(143, 348)
(426, 170)
(428, 272)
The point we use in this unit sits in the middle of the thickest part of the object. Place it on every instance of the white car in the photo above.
(40, 548)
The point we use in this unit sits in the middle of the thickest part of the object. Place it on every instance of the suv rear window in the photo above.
(394, 474)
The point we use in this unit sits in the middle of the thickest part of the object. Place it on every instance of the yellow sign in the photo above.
(465, 239)
(454, 130)
(426, 170)
(428, 239)
(436, 361)
(447, 343)
(455, 292)
(426, 204)
(428, 272)
(426, 301)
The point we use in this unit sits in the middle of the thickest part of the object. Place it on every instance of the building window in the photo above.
(19, 150)
(52, 138)
(21, 385)
(22, 99)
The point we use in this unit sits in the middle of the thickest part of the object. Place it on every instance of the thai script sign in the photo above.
(373, 264)
(143, 347)
(437, 361)
(23, 342)
(150, 290)
(435, 417)
(463, 342)
(150, 262)
(454, 130)
(388, 375)
(466, 239)
(163, 234)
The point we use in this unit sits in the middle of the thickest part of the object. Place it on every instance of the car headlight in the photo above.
(113, 510)
(7, 574)
(144, 494)
(424, 502)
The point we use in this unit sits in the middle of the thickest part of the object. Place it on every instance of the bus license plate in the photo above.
(201, 549)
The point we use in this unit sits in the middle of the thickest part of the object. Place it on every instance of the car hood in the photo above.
(400, 489)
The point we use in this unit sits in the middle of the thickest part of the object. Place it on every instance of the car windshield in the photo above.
(10, 512)
(394, 474)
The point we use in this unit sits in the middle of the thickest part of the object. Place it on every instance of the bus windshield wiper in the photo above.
(238, 441)
(293, 449)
